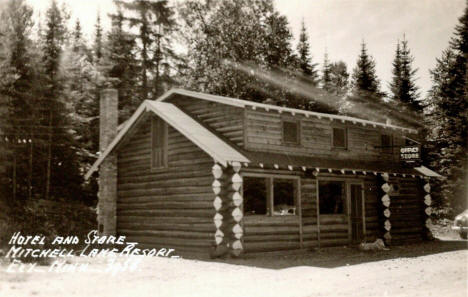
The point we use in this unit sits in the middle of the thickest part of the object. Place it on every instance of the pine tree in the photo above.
(77, 36)
(62, 176)
(305, 65)
(154, 21)
(395, 84)
(365, 79)
(98, 39)
(123, 68)
(19, 93)
(403, 87)
(326, 74)
(447, 114)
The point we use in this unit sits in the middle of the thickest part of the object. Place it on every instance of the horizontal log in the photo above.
(406, 230)
(309, 229)
(166, 175)
(309, 220)
(165, 212)
(270, 230)
(169, 234)
(258, 220)
(371, 219)
(160, 183)
(335, 227)
(270, 246)
(408, 223)
(172, 197)
(169, 242)
(166, 204)
(179, 250)
(334, 242)
(161, 220)
(165, 191)
(267, 238)
(190, 227)
(334, 235)
(310, 244)
(332, 219)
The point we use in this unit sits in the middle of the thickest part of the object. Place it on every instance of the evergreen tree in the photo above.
(326, 74)
(154, 21)
(62, 176)
(447, 115)
(395, 84)
(122, 64)
(77, 36)
(403, 87)
(365, 81)
(19, 92)
(305, 65)
(98, 39)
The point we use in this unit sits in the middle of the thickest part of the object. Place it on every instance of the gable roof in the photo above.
(224, 153)
(187, 126)
(254, 105)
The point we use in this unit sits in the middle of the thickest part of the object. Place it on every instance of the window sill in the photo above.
(259, 219)
(158, 169)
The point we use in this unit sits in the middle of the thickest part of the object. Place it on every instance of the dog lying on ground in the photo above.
(377, 245)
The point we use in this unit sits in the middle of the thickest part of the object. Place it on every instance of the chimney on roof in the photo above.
(107, 195)
(388, 121)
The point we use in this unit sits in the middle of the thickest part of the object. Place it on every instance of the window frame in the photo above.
(345, 183)
(345, 147)
(298, 131)
(270, 199)
(387, 150)
(162, 164)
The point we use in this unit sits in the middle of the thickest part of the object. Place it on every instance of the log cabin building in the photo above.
(216, 175)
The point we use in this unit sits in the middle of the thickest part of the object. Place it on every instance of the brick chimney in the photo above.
(107, 195)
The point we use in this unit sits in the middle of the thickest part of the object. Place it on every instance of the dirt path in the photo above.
(439, 274)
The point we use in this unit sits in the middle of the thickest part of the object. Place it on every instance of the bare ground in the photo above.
(437, 268)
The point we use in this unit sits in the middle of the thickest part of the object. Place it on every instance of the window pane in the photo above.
(284, 197)
(386, 143)
(158, 143)
(290, 132)
(255, 195)
(331, 197)
(339, 137)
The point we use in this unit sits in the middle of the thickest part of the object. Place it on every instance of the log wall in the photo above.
(264, 133)
(406, 207)
(226, 120)
(171, 207)
(372, 208)
(272, 233)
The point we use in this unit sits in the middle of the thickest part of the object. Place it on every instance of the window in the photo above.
(158, 143)
(332, 197)
(386, 143)
(283, 195)
(269, 196)
(255, 195)
(339, 138)
(291, 132)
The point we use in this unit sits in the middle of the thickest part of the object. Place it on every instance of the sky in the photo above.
(339, 27)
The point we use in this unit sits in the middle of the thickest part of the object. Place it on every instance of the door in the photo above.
(357, 213)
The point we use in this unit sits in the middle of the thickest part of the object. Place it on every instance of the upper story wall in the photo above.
(264, 132)
(226, 120)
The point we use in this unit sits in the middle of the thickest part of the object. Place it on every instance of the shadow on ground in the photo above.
(344, 256)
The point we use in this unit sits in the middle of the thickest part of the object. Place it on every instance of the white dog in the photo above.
(377, 245)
